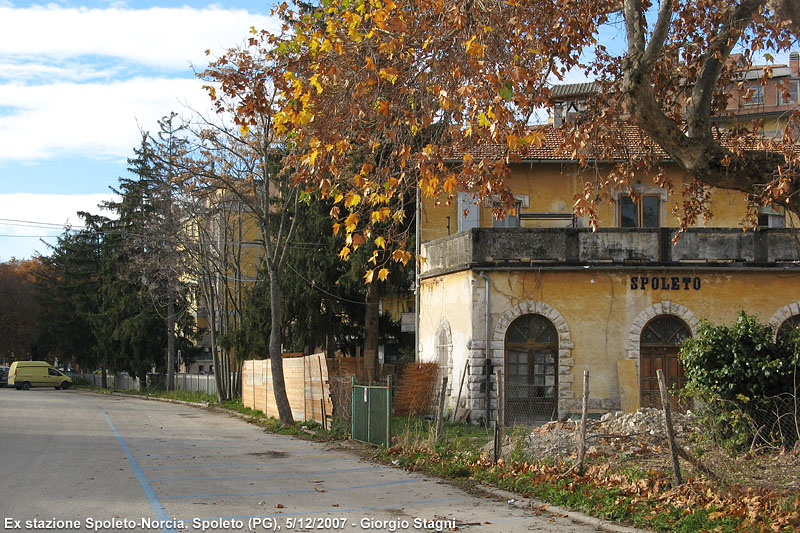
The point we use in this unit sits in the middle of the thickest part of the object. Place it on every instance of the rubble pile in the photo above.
(638, 433)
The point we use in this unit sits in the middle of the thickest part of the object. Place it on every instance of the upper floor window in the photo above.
(756, 94)
(644, 212)
(511, 220)
(771, 218)
(787, 92)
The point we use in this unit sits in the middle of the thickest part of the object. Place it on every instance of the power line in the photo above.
(29, 236)
(35, 223)
(315, 286)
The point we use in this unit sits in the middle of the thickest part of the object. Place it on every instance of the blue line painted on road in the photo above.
(339, 510)
(286, 492)
(152, 497)
(293, 474)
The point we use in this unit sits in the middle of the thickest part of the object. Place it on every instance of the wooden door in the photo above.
(659, 349)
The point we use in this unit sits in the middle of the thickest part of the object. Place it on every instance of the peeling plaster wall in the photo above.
(598, 316)
(447, 303)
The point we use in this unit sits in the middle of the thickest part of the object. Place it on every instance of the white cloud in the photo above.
(90, 119)
(22, 71)
(81, 82)
(19, 238)
(158, 37)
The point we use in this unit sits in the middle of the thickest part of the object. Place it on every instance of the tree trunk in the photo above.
(275, 355)
(217, 374)
(371, 330)
(226, 373)
(697, 151)
(237, 389)
(170, 335)
(211, 309)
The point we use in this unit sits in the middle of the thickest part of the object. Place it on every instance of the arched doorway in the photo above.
(531, 370)
(659, 346)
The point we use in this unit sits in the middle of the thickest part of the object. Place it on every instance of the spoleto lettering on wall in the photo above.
(666, 283)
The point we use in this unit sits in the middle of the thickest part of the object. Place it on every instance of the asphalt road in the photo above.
(75, 460)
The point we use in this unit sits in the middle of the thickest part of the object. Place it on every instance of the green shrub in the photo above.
(736, 372)
(741, 360)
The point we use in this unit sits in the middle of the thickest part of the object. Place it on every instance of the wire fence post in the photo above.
(676, 467)
(584, 415)
(440, 411)
(458, 398)
(501, 402)
(498, 425)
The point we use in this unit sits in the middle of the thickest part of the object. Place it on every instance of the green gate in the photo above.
(372, 413)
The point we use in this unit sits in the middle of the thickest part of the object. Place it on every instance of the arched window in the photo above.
(531, 370)
(788, 326)
(444, 356)
(659, 347)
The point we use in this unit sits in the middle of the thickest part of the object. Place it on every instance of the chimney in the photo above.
(558, 114)
(794, 63)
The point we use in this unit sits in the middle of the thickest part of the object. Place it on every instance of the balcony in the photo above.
(718, 248)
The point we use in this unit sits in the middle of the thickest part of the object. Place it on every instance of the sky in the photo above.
(79, 81)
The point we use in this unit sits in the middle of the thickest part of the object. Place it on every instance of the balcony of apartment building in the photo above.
(573, 248)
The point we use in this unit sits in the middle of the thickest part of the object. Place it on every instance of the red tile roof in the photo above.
(625, 143)
(630, 142)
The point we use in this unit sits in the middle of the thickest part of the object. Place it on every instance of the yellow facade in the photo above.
(599, 295)
(551, 188)
(602, 317)
(230, 236)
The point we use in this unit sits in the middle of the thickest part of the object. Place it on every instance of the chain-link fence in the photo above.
(757, 423)
(417, 391)
(529, 404)
(776, 421)
(528, 387)
(121, 381)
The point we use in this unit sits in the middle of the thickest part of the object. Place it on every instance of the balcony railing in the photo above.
(566, 247)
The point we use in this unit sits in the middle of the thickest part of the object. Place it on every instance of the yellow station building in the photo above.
(541, 297)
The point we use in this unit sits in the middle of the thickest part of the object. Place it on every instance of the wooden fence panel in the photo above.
(306, 381)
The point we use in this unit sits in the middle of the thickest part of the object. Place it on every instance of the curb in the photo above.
(530, 503)
(143, 397)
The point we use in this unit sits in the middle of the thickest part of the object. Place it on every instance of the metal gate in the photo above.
(372, 413)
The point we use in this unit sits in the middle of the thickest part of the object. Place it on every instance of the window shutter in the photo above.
(472, 219)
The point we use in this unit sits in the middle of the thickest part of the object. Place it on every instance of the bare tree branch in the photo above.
(719, 49)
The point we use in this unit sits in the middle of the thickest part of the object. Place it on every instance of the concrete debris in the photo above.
(638, 433)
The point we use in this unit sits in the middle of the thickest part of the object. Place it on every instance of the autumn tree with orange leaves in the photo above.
(378, 96)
